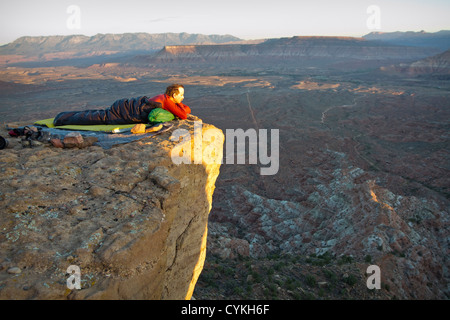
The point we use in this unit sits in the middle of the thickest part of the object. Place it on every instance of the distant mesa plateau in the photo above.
(316, 49)
(195, 47)
(363, 180)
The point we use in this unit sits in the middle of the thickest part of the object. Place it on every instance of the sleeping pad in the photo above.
(123, 111)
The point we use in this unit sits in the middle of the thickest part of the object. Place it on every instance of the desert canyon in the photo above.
(363, 128)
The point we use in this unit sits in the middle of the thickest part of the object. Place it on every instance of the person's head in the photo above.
(175, 92)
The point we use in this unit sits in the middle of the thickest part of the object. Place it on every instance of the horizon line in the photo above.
(226, 34)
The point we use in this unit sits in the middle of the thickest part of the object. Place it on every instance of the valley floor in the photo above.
(363, 172)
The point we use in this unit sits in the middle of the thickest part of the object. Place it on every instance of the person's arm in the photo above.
(180, 110)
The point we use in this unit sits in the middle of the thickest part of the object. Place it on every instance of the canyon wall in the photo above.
(438, 65)
(295, 48)
(130, 220)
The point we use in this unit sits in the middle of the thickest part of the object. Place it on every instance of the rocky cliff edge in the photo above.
(122, 223)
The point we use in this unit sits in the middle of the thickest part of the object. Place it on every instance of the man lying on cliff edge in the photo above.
(129, 111)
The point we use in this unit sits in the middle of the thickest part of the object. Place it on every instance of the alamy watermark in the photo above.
(258, 145)
(374, 280)
(74, 281)
(74, 20)
(373, 22)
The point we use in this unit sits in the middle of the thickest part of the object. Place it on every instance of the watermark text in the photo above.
(74, 281)
(73, 22)
(236, 147)
(374, 280)
(373, 22)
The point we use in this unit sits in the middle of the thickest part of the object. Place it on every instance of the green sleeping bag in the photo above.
(159, 115)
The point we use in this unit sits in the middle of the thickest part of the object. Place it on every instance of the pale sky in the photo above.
(246, 19)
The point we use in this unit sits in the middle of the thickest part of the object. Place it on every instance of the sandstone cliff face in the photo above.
(295, 48)
(133, 221)
(435, 65)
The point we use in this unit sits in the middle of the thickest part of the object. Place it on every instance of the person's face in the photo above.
(178, 97)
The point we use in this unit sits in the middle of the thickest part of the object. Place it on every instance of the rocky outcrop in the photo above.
(133, 221)
(347, 213)
(433, 66)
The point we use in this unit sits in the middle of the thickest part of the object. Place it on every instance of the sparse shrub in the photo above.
(256, 276)
(330, 275)
(351, 280)
(308, 296)
(289, 284)
(249, 289)
(321, 292)
(325, 258)
(238, 291)
(345, 259)
(279, 265)
(296, 296)
(310, 280)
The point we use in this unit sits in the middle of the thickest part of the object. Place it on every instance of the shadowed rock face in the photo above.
(437, 66)
(134, 222)
(348, 214)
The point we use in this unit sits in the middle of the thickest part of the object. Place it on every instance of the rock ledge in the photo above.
(131, 220)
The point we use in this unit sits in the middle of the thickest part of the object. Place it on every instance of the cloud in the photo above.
(163, 19)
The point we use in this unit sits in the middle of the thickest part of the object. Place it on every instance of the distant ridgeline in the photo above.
(109, 42)
(166, 47)
(51, 48)
(439, 40)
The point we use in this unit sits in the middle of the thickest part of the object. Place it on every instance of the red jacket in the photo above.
(178, 109)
